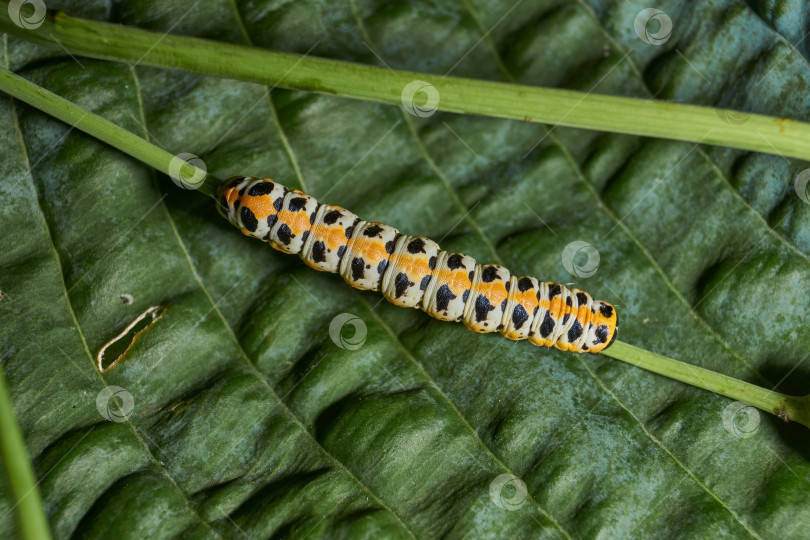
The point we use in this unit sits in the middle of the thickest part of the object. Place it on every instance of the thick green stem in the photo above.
(786, 407)
(24, 493)
(645, 117)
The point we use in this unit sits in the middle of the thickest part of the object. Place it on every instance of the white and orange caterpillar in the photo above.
(413, 271)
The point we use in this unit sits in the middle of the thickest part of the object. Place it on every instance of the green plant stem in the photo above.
(786, 407)
(635, 116)
(98, 127)
(25, 495)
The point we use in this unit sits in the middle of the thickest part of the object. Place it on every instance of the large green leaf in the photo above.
(248, 420)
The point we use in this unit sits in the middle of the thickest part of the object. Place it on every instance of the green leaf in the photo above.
(247, 419)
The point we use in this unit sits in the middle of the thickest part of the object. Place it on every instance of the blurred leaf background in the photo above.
(249, 421)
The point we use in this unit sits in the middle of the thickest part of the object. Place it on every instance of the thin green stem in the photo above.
(22, 485)
(635, 116)
(181, 170)
(786, 407)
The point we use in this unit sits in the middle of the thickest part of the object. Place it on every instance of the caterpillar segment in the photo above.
(330, 233)
(409, 270)
(413, 271)
(486, 306)
(449, 287)
(367, 255)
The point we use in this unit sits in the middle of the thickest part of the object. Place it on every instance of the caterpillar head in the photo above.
(252, 204)
(228, 197)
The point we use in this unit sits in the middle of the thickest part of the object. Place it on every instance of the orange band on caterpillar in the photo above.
(413, 271)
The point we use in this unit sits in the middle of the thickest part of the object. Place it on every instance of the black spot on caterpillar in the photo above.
(285, 234)
(401, 284)
(249, 221)
(489, 274)
(357, 268)
(524, 284)
(482, 306)
(331, 217)
(443, 297)
(296, 204)
(263, 188)
(519, 316)
(372, 231)
(547, 327)
(454, 261)
(318, 251)
(416, 246)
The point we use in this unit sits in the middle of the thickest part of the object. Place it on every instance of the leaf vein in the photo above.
(55, 254)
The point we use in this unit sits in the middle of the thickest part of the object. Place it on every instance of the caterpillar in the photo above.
(412, 271)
